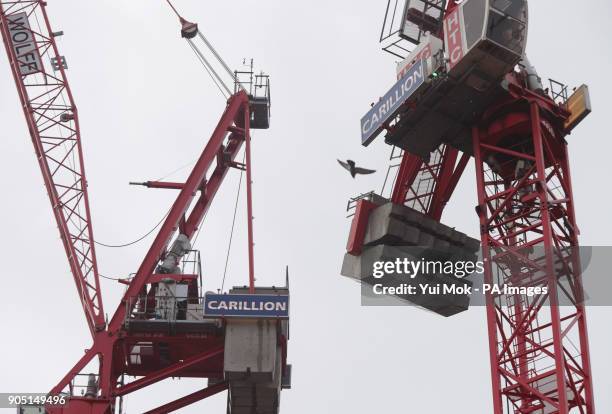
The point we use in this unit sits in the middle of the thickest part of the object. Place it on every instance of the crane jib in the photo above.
(24, 44)
(52, 120)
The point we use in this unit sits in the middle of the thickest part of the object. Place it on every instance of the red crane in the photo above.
(472, 102)
(159, 330)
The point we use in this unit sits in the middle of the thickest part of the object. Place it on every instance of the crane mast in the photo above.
(53, 122)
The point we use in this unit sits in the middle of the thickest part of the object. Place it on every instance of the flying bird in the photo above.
(350, 166)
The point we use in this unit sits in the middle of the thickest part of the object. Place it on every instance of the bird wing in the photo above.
(360, 170)
(344, 165)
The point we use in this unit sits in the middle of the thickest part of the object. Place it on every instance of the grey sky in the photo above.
(147, 107)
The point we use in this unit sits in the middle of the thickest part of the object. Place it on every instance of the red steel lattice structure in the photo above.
(53, 123)
(40, 75)
(426, 186)
(538, 348)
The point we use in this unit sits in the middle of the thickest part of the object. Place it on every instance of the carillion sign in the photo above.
(252, 306)
(388, 107)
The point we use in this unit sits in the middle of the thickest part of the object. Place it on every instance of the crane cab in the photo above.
(257, 87)
(260, 112)
(485, 39)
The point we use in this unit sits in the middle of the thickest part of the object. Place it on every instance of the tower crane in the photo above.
(162, 326)
(465, 89)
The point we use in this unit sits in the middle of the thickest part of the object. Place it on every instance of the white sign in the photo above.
(454, 38)
(24, 45)
(243, 305)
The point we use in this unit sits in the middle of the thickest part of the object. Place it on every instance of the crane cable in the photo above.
(211, 72)
(220, 60)
(137, 240)
(116, 279)
(220, 86)
(173, 8)
(182, 167)
(156, 226)
(229, 246)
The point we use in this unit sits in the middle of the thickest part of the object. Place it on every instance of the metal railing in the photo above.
(558, 92)
(256, 85)
(352, 203)
(165, 308)
(399, 36)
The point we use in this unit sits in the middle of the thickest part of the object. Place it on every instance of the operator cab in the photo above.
(260, 112)
(257, 86)
(259, 99)
(487, 36)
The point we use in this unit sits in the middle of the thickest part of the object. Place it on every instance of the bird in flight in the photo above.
(350, 166)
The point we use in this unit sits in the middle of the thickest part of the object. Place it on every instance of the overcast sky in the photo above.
(147, 107)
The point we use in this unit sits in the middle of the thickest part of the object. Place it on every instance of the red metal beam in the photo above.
(170, 371)
(249, 182)
(448, 178)
(156, 278)
(409, 168)
(443, 172)
(162, 184)
(359, 226)
(213, 184)
(488, 274)
(189, 399)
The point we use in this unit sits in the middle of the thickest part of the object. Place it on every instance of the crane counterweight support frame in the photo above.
(427, 185)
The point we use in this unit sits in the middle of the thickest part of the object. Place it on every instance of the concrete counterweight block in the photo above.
(399, 232)
(261, 398)
(398, 225)
(251, 348)
(253, 365)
